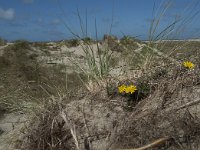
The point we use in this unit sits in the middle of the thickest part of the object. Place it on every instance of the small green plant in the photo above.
(134, 92)
(112, 43)
(4, 62)
(41, 45)
(21, 44)
(128, 40)
(87, 40)
(137, 92)
(144, 89)
(111, 90)
(73, 43)
(159, 73)
(2, 42)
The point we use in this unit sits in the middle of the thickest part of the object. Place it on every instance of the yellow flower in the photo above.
(127, 89)
(188, 64)
(130, 89)
(121, 88)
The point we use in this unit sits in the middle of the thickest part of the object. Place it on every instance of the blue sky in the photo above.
(43, 20)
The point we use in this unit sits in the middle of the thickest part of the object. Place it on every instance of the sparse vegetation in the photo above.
(77, 103)
(129, 42)
(72, 43)
(88, 40)
(2, 42)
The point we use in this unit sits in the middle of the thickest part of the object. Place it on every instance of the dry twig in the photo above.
(151, 145)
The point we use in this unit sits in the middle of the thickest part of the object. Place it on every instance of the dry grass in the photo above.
(96, 121)
(48, 130)
(99, 118)
(162, 114)
(24, 80)
(166, 113)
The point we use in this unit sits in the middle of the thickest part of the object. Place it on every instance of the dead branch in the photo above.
(151, 145)
(188, 105)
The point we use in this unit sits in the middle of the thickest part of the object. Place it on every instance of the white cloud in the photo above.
(28, 1)
(7, 14)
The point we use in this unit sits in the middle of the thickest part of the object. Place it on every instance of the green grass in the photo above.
(129, 42)
(25, 81)
(2, 42)
(72, 43)
(97, 60)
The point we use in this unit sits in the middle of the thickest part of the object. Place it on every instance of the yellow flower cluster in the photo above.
(127, 89)
(188, 64)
